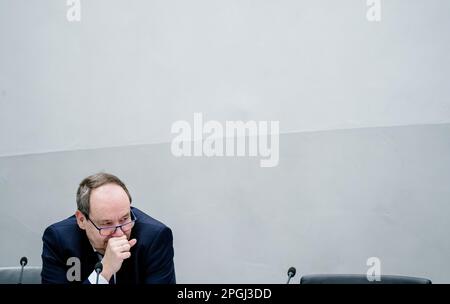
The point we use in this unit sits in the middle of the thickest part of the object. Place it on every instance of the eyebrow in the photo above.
(110, 221)
(128, 214)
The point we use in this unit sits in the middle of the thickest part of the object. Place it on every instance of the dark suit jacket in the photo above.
(151, 258)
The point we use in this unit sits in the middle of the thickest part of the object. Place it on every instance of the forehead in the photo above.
(109, 202)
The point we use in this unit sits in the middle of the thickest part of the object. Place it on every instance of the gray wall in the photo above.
(364, 111)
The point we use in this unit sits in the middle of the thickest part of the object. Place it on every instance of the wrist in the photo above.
(106, 273)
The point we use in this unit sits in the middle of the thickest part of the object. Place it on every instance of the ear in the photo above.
(81, 220)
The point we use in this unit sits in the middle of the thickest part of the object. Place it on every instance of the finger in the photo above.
(124, 248)
(118, 237)
(117, 240)
(125, 255)
(132, 242)
(120, 242)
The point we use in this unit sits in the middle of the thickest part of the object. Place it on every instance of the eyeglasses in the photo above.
(110, 230)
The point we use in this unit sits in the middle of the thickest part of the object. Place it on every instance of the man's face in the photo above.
(109, 206)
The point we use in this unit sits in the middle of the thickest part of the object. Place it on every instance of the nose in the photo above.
(118, 232)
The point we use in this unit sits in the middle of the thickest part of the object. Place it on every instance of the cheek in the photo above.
(101, 239)
(95, 237)
(128, 234)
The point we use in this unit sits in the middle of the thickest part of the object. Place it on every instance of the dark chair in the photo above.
(359, 279)
(11, 275)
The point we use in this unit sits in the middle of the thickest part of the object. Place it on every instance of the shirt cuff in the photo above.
(93, 278)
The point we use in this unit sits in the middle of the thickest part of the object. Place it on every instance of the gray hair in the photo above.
(92, 182)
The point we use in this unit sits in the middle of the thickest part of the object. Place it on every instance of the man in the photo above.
(132, 247)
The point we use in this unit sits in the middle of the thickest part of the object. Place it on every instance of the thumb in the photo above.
(132, 242)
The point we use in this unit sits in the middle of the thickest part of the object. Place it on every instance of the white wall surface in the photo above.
(364, 109)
